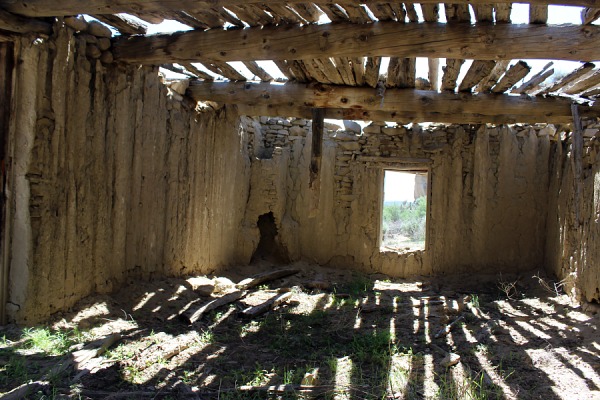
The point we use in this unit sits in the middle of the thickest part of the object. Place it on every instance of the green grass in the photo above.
(14, 371)
(359, 286)
(472, 387)
(18, 365)
(375, 347)
(48, 341)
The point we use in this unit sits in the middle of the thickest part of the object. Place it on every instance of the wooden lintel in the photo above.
(15, 23)
(419, 162)
(366, 104)
(50, 8)
(437, 40)
(274, 110)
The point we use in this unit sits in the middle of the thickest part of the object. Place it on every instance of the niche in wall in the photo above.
(269, 248)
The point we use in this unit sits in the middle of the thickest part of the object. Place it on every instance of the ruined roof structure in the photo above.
(331, 55)
(185, 213)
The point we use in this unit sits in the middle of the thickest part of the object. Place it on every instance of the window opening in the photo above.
(404, 211)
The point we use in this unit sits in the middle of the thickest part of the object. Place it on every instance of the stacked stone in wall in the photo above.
(349, 145)
(96, 35)
(275, 131)
(415, 141)
(591, 142)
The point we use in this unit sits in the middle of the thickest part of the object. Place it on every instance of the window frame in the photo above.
(413, 168)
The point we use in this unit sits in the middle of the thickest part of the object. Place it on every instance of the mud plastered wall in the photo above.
(113, 179)
(573, 248)
(489, 190)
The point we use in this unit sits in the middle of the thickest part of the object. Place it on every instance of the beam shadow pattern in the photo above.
(361, 339)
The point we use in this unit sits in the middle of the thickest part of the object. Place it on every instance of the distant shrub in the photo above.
(405, 219)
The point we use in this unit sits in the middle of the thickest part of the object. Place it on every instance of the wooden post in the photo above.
(577, 161)
(314, 182)
(318, 124)
(6, 83)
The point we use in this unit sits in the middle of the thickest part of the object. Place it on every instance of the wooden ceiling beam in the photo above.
(403, 117)
(487, 108)
(50, 8)
(15, 23)
(461, 41)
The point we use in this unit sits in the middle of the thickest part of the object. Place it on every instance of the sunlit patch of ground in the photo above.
(360, 337)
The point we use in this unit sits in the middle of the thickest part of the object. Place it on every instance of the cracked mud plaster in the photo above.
(488, 200)
(114, 180)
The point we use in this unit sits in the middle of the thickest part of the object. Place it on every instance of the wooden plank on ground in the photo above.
(252, 312)
(267, 276)
(194, 312)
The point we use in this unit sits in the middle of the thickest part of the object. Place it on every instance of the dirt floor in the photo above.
(341, 335)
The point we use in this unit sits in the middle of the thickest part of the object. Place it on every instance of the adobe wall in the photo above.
(489, 191)
(573, 241)
(113, 179)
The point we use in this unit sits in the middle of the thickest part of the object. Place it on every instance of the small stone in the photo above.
(93, 51)
(297, 131)
(223, 284)
(590, 132)
(352, 126)
(98, 29)
(450, 360)
(318, 284)
(351, 146)
(332, 127)
(371, 129)
(341, 135)
(311, 378)
(107, 57)
(176, 96)
(78, 24)
(391, 131)
(104, 43)
(201, 285)
(90, 39)
(180, 86)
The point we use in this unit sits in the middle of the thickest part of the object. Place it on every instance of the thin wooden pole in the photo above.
(577, 161)
(318, 124)
(6, 87)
